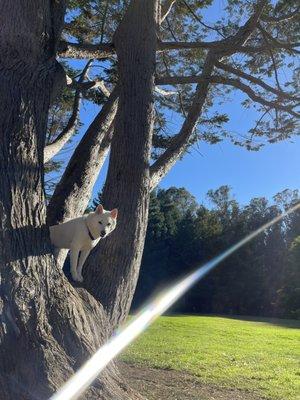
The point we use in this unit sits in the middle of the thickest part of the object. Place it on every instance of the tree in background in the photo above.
(289, 294)
(48, 328)
(290, 291)
(262, 278)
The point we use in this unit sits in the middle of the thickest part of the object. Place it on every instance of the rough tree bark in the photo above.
(128, 181)
(47, 328)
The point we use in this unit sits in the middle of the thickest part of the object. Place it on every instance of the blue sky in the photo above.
(250, 174)
(262, 173)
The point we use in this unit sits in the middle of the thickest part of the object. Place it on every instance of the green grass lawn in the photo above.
(260, 355)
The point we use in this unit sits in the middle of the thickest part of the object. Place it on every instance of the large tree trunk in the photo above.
(47, 328)
(127, 183)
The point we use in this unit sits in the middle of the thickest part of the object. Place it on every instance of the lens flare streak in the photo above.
(80, 381)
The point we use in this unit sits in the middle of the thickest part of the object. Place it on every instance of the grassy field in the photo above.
(260, 355)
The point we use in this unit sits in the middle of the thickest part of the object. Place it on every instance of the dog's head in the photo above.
(104, 222)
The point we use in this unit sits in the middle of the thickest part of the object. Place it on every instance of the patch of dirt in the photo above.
(160, 384)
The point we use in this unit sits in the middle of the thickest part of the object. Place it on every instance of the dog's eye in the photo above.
(109, 224)
(100, 222)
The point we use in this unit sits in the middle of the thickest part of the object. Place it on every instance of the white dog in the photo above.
(81, 235)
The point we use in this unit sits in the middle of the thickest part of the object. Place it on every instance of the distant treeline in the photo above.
(262, 278)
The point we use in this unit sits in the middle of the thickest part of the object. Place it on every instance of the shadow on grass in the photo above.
(286, 323)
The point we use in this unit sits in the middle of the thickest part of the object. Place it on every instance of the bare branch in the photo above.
(215, 45)
(165, 92)
(101, 86)
(85, 50)
(102, 51)
(81, 86)
(200, 21)
(73, 192)
(218, 46)
(278, 44)
(253, 96)
(215, 79)
(280, 93)
(166, 9)
(93, 84)
(53, 148)
(267, 111)
(170, 29)
(180, 80)
(282, 18)
(265, 38)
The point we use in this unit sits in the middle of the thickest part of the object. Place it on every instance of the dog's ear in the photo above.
(114, 213)
(99, 209)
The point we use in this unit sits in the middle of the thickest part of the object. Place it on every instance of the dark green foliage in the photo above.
(262, 278)
(96, 21)
(290, 292)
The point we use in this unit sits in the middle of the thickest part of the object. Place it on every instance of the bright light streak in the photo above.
(91, 369)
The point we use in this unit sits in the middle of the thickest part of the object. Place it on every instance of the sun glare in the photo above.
(80, 381)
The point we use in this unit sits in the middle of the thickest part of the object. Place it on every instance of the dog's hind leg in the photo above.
(74, 261)
(83, 256)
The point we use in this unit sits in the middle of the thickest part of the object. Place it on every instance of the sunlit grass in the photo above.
(258, 355)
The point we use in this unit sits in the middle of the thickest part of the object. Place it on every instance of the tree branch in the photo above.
(165, 92)
(227, 46)
(85, 50)
(166, 9)
(91, 84)
(265, 38)
(200, 21)
(219, 46)
(234, 43)
(280, 93)
(106, 50)
(179, 143)
(73, 192)
(216, 79)
(277, 44)
(53, 148)
(282, 18)
(223, 47)
(253, 96)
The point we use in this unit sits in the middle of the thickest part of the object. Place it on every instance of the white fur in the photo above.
(74, 235)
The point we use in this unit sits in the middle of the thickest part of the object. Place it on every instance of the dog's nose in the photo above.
(102, 233)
